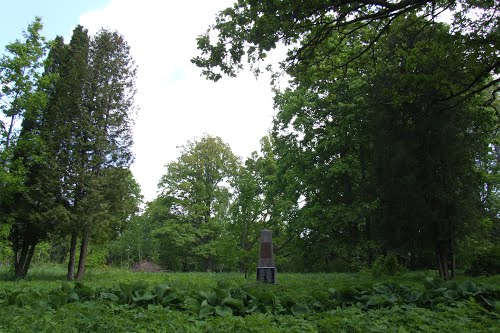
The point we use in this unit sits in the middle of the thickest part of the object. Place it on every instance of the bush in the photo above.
(96, 257)
(486, 263)
(387, 265)
(339, 265)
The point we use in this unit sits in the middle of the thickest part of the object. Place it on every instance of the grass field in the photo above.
(115, 300)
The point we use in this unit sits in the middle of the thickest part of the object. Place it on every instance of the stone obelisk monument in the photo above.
(266, 271)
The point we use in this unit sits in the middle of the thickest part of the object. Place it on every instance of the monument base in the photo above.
(266, 274)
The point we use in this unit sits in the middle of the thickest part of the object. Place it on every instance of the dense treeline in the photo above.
(385, 143)
(387, 137)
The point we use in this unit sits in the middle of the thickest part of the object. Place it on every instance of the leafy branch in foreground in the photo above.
(250, 29)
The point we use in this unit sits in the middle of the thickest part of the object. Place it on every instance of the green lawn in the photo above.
(115, 300)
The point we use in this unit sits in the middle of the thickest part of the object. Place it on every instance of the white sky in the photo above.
(176, 103)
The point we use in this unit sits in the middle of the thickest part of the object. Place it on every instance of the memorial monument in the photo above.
(266, 271)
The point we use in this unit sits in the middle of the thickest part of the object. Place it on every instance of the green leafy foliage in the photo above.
(25, 204)
(387, 265)
(101, 317)
(242, 301)
(486, 263)
(385, 138)
(120, 300)
(196, 192)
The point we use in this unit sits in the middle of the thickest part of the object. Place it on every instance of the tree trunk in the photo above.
(9, 132)
(27, 261)
(348, 195)
(444, 262)
(453, 260)
(243, 245)
(19, 260)
(440, 265)
(72, 255)
(83, 252)
(208, 263)
(442, 256)
(369, 249)
(22, 261)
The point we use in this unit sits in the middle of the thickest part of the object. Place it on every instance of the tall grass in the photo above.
(52, 275)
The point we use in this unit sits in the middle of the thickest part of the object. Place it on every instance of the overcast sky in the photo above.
(175, 103)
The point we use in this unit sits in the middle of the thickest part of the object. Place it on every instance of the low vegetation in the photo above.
(125, 301)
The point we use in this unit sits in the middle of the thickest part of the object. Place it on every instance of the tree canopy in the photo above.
(385, 144)
(251, 29)
(66, 164)
(390, 108)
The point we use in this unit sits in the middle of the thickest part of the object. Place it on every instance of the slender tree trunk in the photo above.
(23, 259)
(369, 238)
(440, 265)
(365, 197)
(243, 244)
(9, 132)
(83, 252)
(17, 263)
(20, 259)
(72, 256)
(444, 262)
(348, 189)
(27, 261)
(453, 260)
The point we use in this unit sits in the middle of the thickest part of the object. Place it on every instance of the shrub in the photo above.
(387, 265)
(486, 263)
(96, 257)
(339, 265)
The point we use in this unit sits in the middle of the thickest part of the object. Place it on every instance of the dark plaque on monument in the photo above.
(266, 271)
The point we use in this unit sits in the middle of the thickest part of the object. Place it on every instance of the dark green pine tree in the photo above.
(91, 105)
(39, 206)
(105, 137)
(67, 118)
